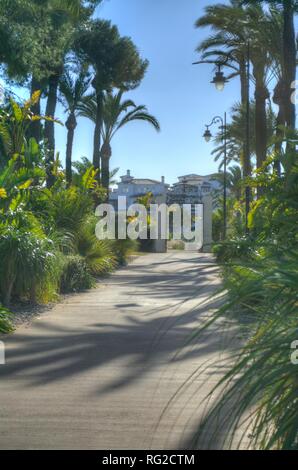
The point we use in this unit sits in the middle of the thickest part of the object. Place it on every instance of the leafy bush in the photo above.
(67, 209)
(47, 234)
(232, 250)
(262, 384)
(177, 245)
(260, 282)
(28, 260)
(5, 324)
(98, 254)
(123, 249)
(75, 275)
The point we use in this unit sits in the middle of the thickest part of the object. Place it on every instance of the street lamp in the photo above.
(219, 79)
(207, 136)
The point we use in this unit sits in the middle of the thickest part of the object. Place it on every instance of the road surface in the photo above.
(116, 367)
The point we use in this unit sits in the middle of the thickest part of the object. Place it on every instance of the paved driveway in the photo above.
(115, 367)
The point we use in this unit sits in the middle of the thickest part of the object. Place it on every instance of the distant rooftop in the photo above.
(144, 181)
(195, 177)
(139, 181)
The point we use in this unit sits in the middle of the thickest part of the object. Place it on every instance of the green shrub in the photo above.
(75, 275)
(232, 250)
(262, 384)
(28, 260)
(65, 209)
(5, 324)
(178, 245)
(99, 255)
(123, 249)
(260, 285)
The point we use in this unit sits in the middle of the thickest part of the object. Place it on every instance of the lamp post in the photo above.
(219, 81)
(208, 136)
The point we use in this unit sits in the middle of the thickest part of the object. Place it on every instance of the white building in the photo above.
(190, 189)
(133, 188)
(203, 182)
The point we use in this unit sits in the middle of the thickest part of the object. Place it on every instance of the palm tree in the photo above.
(50, 26)
(234, 181)
(65, 14)
(73, 91)
(116, 63)
(236, 130)
(234, 25)
(257, 23)
(228, 46)
(288, 56)
(81, 167)
(115, 115)
(289, 50)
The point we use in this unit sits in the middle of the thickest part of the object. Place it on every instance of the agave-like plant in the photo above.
(15, 121)
(27, 259)
(98, 254)
(262, 384)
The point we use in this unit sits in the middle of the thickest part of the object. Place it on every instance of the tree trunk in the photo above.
(35, 127)
(247, 147)
(97, 133)
(244, 99)
(261, 95)
(106, 153)
(243, 81)
(278, 99)
(71, 124)
(289, 53)
(280, 121)
(7, 295)
(9, 288)
(50, 127)
(33, 295)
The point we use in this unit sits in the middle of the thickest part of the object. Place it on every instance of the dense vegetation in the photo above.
(259, 262)
(47, 235)
(56, 50)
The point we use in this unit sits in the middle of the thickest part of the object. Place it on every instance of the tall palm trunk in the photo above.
(106, 153)
(243, 80)
(278, 99)
(280, 122)
(289, 53)
(261, 131)
(49, 126)
(35, 126)
(71, 125)
(244, 101)
(246, 149)
(97, 132)
(261, 95)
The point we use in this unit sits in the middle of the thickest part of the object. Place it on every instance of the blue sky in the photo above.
(176, 92)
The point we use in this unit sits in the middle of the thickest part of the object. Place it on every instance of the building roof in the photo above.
(196, 177)
(144, 181)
